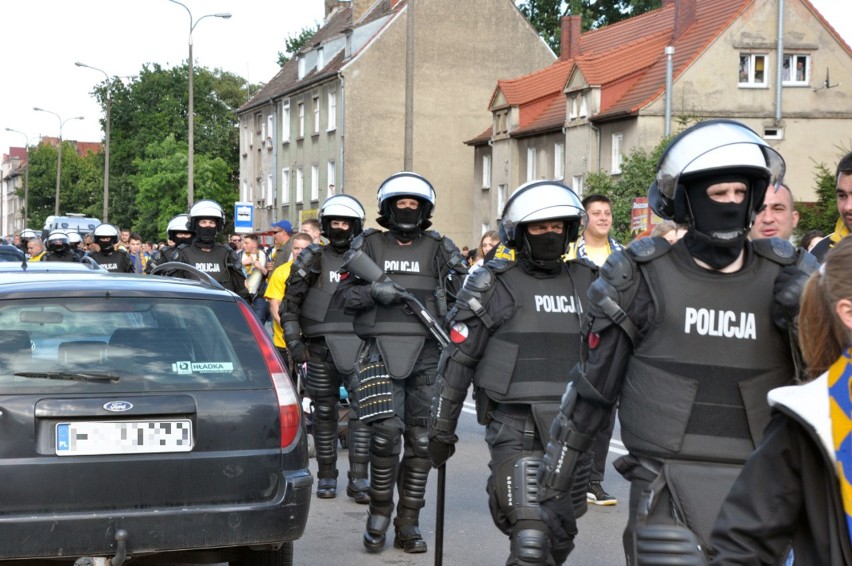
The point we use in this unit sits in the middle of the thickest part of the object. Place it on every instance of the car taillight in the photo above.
(288, 402)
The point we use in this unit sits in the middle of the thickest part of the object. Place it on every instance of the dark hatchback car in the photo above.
(143, 417)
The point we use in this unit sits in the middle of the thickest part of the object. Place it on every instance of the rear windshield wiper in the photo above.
(89, 376)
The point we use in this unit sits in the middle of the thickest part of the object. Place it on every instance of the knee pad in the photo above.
(515, 488)
(322, 380)
(325, 410)
(530, 547)
(417, 442)
(384, 443)
(359, 441)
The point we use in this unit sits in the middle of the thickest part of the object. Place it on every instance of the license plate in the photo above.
(114, 437)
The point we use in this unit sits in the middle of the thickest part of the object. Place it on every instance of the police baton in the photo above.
(439, 515)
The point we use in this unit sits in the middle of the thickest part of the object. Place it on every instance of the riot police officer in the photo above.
(109, 257)
(321, 334)
(179, 234)
(399, 346)
(75, 240)
(26, 235)
(206, 219)
(515, 334)
(59, 248)
(688, 338)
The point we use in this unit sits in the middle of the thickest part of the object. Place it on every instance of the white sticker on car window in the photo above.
(202, 367)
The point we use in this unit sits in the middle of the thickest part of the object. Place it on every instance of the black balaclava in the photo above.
(405, 223)
(543, 252)
(178, 240)
(339, 238)
(718, 230)
(205, 237)
(105, 244)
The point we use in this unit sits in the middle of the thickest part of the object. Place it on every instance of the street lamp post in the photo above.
(26, 179)
(58, 153)
(191, 109)
(106, 135)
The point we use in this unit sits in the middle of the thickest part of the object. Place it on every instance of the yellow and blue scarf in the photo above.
(840, 395)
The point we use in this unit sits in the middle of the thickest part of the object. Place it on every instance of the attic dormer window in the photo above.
(301, 63)
(320, 58)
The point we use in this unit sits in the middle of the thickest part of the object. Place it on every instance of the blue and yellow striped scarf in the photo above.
(840, 395)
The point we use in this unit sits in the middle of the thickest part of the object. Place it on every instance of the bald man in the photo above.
(777, 217)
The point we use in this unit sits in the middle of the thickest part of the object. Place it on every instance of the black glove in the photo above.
(557, 513)
(789, 285)
(387, 293)
(440, 451)
(298, 351)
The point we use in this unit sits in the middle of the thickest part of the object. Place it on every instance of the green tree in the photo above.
(152, 107)
(294, 42)
(638, 171)
(161, 182)
(546, 15)
(82, 176)
(821, 215)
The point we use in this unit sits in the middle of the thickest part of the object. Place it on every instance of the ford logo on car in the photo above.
(118, 406)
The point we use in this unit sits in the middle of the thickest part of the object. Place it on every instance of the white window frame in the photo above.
(502, 195)
(316, 103)
(747, 75)
(531, 165)
(790, 61)
(617, 152)
(331, 174)
(285, 121)
(577, 184)
(486, 171)
(300, 185)
(332, 111)
(558, 160)
(773, 133)
(314, 182)
(301, 67)
(244, 192)
(285, 186)
(584, 108)
(270, 190)
(270, 129)
(320, 58)
(573, 112)
(301, 110)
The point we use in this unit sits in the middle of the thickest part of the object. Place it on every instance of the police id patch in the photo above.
(458, 333)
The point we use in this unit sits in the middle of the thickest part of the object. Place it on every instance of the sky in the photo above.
(42, 39)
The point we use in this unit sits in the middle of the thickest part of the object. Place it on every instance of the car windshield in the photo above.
(123, 344)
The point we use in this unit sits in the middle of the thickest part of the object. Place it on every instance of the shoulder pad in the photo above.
(644, 250)
(807, 261)
(358, 241)
(480, 280)
(619, 270)
(448, 244)
(499, 265)
(307, 259)
(433, 234)
(775, 249)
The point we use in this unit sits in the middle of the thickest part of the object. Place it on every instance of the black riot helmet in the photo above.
(405, 185)
(341, 207)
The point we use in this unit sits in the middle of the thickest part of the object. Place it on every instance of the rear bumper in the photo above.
(162, 529)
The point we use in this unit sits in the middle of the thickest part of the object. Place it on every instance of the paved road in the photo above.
(335, 527)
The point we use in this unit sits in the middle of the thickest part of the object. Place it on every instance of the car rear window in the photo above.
(126, 344)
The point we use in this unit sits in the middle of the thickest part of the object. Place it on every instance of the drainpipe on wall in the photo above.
(779, 67)
(341, 134)
(669, 51)
(275, 118)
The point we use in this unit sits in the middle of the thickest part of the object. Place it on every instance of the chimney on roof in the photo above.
(684, 16)
(359, 8)
(667, 3)
(570, 40)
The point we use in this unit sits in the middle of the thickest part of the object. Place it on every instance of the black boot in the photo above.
(325, 435)
(327, 488)
(383, 470)
(407, 535)
(377, 526)
(359, 458)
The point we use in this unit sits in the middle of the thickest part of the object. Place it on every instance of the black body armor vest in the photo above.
(214, 263)
(400, 336)
(320, 318)
(116, 262)
(527, 359)
(696, 385)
